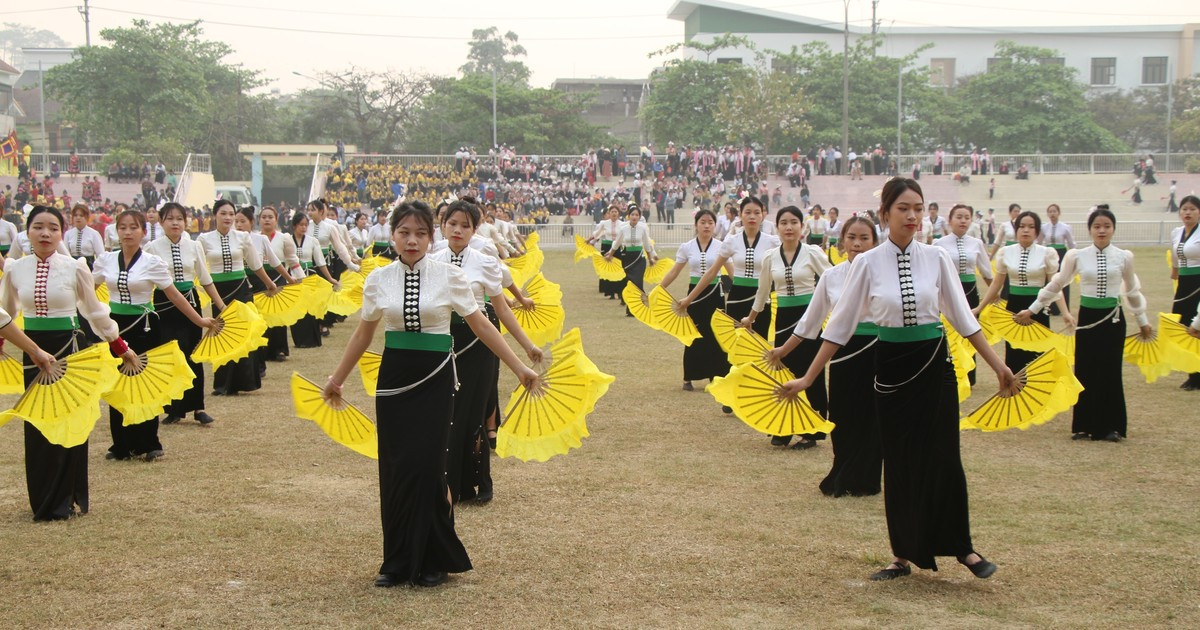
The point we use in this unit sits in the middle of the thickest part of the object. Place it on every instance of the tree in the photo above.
(684, 93)
(15, 36)
(382, 105)
(1185, 126)
(764, 109)
(1026, 103)
(489, 50)
(1137, 118)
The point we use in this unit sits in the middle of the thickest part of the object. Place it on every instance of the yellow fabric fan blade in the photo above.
(584, 249)
(240, 333)
(678, 324)
(638, 304)
(551, 420)
(774, 315)
(347, 425)
(543, 323)
(836, 256)
(532, 240)
(750, 390)
(371, 263)
(368, 369)
(285, 308)
(1151, 357)
(963, 354)
(319, 292)
(141, 396)
(539, 289)
(527, 264)
(656, 272)
(748, 347)
(64, 404)
(724, 329)
(611, 270)
(348, 299)
(102, 292)
(1050, 388)
(1035, 337)
(1182, 348)
(1171, 267)
(12, 375)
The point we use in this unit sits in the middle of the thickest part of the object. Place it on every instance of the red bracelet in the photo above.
(118, 347)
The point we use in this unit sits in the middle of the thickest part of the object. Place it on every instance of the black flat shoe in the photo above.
(203, 418)
(726, 409)
(804, 444)
(687, 387)
(1187, 386)
(388, 580)
(982, 569)
(781, 440)
(1081, 436)
(890, 573)
(432, 579)
(171, 419)
(1112, 436)
(153, 455)
(491, 441)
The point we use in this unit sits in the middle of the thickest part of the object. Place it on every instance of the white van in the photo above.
(238, 193)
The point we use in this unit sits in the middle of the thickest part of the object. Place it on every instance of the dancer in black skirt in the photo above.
(132, 277)
(229, 253)
(1105, 274)
(704, 359)
(633, 238)
(49, 288)
(415, 399)
(1025, 268)
(857, 453)
(605, 232)
(905, 287)
(284, 249)
(189, 275)
(793, 269)
(307, 333)
(381, 235)
(970, 258)
(1185, 269)
(468, 462)
(1057, 236)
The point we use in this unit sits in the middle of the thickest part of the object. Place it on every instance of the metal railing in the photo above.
(316, 187)
(89, 163)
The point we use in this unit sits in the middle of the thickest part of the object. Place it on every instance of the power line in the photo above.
(1010, 9)
(36, 10)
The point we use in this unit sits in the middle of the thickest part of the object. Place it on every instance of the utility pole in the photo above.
(493, 105)
(899, 110)
(42, 106)
(86, 12)
(846, 89)
(1170, 106)
(874, 25)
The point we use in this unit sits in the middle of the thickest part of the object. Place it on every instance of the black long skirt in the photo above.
(1187, 297)
(306, 333)
(141, 438)
(1066, 292)
(1016, 359)
(971, 290)
(263, 354)
(635, 267)
(173, 324)
(413, 429)
(924, 487)
(242, 376)
(56, 477)
(738, 304)
(857, 451)
(704, 358)
(610, 288)
(786, 318)
(336, 267)
(1099, 351)
(277, 336)
(477, 373)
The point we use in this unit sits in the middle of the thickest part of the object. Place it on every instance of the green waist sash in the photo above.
(383, 244)
(1189, 271)
(696, 279)
(51, 323)
(306, 265)
(1010, 243)
(636, 248)
(229, 275)
(1099, 303)
(739, 281)
(119, 308)
(4, 249)
(924, 332)
(184, 287)
(325, 251)
(787, 301)
(1014, 290)
(966, 277)
(605, 241)
(404, 340)
(1062, 247)
(866, 328)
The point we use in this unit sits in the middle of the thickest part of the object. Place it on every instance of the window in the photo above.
(941, 72)
(736, 60)
(1104, 70)
(994, 61)
(1154, 70)
(1052, 61)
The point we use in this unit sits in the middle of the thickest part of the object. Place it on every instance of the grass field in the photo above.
(672, 514)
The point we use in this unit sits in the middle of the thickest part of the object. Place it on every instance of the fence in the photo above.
(89, 163)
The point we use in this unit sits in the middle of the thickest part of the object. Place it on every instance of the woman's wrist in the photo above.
(118, 346)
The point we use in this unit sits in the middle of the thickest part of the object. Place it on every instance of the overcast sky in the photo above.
(564, 39)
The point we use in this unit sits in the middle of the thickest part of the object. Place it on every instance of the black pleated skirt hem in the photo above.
(1099, 354)
(857, 450)
(56, 477)
(704, 359)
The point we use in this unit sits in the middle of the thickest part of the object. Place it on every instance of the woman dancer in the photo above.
(704, 359)
(833, 233)
(793, 269)
(50, 288)
(307, 332)
(243, 221)
(1105, 274)
(468, 466)
(229, 253)
(905, 287)
(284, 250)
(360, 235)
(381, 237)
(185, 262)
(632, 238)
(132, 277)
(816, 227)
(970, 258)
(1057, 236)
(82, 241)
(415, 401)
(154, 228)
(857, 453)
(1185, 268)
(1025, 267)
(605, 232)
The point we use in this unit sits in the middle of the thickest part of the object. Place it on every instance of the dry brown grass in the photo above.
(671, 515)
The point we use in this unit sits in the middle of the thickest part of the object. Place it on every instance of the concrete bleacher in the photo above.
(123, 192)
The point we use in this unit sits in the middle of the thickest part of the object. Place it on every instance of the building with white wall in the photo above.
(1106, 57)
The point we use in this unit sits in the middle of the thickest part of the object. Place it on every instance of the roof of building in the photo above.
(7, 69)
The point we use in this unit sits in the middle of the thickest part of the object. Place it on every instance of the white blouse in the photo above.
(147, 273)
(360, 238)
(85, 242)
(111, 239)
(745, 256)
(22, 247)
(418, 298)
(630, 235)
(232, 251)
(329, 235)
(67, 287)
(8, 233)
(380, 234)
(284, 249)
(1117, 280)
(607, 230)
(934, 228)
(1008, 234)
(265, 251)
(697, 259)
(485, 246)
(185, 259)
(969, 254)
(308, 252)
(1057, 234)
(482, 271)
(1031, 267)
(872, 292)
(1185, 252)
(825, 296)
(835, 229)
(815, 227)
(798, 278)
(153, 232)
